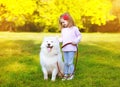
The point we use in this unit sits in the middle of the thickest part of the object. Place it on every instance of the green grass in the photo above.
(98, 63)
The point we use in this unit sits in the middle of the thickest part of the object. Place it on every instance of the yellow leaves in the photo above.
(20, 6)
(49, 11)
(112, 17)
(16, 10)
(98, 10)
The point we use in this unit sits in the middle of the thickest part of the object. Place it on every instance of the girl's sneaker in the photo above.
(71, 77)
(65, 77)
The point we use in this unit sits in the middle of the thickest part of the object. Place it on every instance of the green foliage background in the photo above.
(45, 13)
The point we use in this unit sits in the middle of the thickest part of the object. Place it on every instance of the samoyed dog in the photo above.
(51, 58)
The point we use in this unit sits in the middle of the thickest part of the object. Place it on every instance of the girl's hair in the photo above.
(66, 16)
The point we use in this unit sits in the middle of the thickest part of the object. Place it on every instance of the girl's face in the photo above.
(64, 23)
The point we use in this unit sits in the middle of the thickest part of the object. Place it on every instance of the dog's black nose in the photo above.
(48, 44)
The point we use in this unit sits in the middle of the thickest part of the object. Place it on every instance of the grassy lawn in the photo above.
(98, 63)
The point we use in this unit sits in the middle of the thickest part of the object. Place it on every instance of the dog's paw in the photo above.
(45, 78)
(53, 77)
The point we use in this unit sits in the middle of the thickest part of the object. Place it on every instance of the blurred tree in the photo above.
(45, 13)
(116, 8)
(96, 12)
(84, 12)
(17, 10)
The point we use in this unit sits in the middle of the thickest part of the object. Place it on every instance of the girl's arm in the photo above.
(78, 35)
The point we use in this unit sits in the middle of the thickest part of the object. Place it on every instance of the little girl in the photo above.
(69, 34)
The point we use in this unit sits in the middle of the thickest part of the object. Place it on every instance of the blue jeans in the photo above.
(68, 60)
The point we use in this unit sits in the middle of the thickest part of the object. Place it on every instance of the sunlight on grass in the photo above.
(107, 61)
(25, 36)
(11, 48)
(15, 67)
(101, 37)
(103, 40)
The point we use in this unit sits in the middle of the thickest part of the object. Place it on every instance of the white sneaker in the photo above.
(71, 77)
(65, 77)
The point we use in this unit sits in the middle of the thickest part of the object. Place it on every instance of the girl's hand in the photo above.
(74, 44)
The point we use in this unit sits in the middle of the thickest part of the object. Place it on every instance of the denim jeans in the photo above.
(68, 60)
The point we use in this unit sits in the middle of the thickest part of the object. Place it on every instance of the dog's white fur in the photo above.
(50, 56)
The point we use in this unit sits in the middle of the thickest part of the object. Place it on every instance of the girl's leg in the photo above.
(65, 54)
(70, 62)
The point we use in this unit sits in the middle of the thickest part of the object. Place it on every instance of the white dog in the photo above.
(50, 55)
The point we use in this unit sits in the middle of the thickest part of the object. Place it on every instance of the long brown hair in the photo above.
(69, 19)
